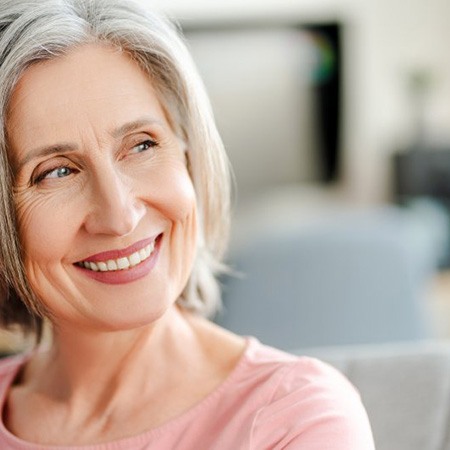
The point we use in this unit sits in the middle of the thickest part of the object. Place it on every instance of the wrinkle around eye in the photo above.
(30, 201)
(26, 203)
(59, 188)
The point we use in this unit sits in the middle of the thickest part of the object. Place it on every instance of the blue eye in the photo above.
(143, 146)
(59, 172)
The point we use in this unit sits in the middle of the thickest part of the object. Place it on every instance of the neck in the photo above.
(111, 365)
(95, 387)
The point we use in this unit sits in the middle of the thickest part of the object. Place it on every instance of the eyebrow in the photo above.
(41, 152)
(60, 149)
(134, 125)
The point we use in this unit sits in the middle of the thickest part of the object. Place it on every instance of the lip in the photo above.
(116, 254)
(128, 275)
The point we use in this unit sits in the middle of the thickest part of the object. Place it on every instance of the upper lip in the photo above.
(120, 253)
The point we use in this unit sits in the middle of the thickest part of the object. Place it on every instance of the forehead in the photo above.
(92, 84)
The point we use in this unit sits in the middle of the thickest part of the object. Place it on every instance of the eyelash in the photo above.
(149, 143)
(39, 178)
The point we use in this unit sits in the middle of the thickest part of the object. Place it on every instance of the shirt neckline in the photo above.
(145, 436)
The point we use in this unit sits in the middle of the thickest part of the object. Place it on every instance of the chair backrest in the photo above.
(404, 387)
(350, 282)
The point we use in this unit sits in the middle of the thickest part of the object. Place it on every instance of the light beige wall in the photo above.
(385, 40)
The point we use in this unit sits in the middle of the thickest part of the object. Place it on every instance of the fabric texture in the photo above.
(405, 388)
(271, 401)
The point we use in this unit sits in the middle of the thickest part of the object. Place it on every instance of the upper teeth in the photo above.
(121, 263)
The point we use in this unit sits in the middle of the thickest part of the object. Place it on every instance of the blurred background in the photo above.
(336, 118)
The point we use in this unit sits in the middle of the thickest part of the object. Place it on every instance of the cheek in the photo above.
(44, 226)
(181, 203)
(177, 203)
(181, 208)
(168, 188)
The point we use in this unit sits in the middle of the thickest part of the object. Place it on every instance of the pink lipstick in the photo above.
(123, 265)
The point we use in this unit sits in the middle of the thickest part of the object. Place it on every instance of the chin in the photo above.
(136, 318)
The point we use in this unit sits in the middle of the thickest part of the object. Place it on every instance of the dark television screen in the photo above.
(276, 94)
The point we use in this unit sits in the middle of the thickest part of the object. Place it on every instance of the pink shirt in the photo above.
(271, 400)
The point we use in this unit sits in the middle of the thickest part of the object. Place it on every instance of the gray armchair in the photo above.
(405, 388)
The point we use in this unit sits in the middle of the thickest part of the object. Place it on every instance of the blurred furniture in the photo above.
(405, 389)
(439, 299)
(423, 172)
(352, 278)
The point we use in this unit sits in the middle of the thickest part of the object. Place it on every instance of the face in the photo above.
(106, 207)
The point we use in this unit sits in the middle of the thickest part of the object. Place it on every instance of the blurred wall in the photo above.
(259, 82)
(385, 42)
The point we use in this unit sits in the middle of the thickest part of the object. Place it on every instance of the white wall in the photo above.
(259, 82)
(388, 39)
(385, 40)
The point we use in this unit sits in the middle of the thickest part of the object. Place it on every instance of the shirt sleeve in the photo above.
(313, 407)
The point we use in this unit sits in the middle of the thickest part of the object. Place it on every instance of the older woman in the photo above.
(114, 219)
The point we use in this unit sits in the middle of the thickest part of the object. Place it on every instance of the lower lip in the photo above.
(127, 275)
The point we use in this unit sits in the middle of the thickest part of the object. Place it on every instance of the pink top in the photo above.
(271, 400)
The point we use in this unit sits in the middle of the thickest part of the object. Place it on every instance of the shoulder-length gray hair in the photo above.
(34, 30)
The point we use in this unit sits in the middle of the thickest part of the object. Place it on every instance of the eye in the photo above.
(58, 172)
(143, 146)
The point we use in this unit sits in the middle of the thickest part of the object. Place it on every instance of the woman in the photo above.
(114, 220)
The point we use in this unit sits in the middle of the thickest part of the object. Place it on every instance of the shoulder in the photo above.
(288, 373)
(310, 405)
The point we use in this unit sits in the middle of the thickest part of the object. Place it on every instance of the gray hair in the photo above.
(34, 30)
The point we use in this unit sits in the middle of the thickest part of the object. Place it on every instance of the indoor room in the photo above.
(335, 116)
(336, 119)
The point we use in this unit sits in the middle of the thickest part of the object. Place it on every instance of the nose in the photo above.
(114, 208)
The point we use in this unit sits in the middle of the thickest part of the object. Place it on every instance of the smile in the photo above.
(123, 263)
(122, 266)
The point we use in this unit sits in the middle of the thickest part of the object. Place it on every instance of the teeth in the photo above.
(134, 259)
(112, 265)
(121, 263)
